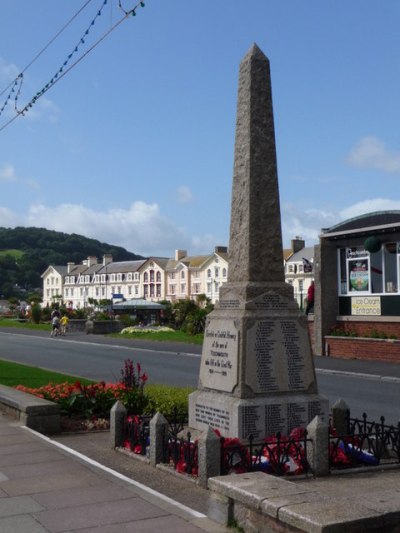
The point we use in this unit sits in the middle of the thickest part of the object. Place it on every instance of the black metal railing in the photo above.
(180, 450)
(277, 455)
(137, 434)
(366, 443)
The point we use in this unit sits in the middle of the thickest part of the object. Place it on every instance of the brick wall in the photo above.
(366, 328)
(361, 348)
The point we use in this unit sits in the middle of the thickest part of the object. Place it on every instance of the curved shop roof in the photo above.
(378, 221)
(138, 303)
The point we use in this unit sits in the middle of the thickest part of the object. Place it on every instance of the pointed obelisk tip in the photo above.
(255, 51)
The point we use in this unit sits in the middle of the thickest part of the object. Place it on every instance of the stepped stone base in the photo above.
(260, 417)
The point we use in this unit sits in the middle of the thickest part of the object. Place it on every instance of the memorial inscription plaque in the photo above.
(219, 362)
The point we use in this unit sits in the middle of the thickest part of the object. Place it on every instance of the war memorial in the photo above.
(257, 373)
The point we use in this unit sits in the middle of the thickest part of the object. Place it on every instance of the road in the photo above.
(366, 386)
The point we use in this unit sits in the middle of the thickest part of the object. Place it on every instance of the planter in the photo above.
(387, 350)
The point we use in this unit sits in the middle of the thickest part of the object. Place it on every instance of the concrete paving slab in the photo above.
(165, 523)
(19, 505)
(93, 515)
(24, 448)
(21, 524)
(330, 517)
(11, 439)
(38, 456)
(106, 491)
(252, 489)
(42, 469)
(272, 505)
(21, 486)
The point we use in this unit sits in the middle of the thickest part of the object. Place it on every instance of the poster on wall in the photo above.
(358, 275)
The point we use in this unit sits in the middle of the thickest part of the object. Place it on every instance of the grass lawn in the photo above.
(15, 323)
(12, 374)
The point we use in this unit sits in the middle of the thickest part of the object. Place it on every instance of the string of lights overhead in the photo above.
(67, 65)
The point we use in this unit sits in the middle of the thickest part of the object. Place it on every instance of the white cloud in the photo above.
(369, 206)
(371, 152)
(7, 173)
(305, 223)
(8, 72)
(141, 228)
(184, 195)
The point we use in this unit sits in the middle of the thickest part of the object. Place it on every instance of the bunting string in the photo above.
(68, 63)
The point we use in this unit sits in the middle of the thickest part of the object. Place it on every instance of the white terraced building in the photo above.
(154, 279)
(157, 279)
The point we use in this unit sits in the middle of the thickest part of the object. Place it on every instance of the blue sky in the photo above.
(134, 145)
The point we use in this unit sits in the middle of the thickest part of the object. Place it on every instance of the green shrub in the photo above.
(36, 313)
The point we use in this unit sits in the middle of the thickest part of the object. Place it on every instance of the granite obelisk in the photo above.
(257, 373)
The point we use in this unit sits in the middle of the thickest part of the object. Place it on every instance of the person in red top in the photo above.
(310, 298)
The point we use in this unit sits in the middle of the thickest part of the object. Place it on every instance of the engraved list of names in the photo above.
(219, 360)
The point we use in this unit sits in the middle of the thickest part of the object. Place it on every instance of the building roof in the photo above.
(377, 221)
(305, 253)
(121, 267)
(137, 303)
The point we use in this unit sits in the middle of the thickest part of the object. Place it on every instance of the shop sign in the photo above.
(366, 305)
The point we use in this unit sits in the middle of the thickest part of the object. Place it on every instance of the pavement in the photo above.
(48, 487)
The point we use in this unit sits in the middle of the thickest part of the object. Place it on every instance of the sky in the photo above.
(134, 144)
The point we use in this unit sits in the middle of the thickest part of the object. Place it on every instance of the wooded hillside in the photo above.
(25, 253)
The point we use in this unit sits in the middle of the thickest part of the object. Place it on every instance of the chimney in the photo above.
(107, 259)
(91, 260)
(70, 266)
(297, 244)
(179, 254)
(221, 249)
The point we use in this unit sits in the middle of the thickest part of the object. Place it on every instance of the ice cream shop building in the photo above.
(358, 288)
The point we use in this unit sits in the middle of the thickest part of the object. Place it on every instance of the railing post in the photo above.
(209, 456)
(340, 417)
(117, 424)
(318, 451)
(158, 431)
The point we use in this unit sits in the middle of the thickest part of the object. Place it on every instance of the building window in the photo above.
(145, 277)
(103, 278)
(119, 277)
(216, 271)
(103, 291)
(129, 289)
(301, 285)
(158, 277)
(209, 288)
(146, 290)
(172, 275)
(97, 291)
(224, 272)
(172, 289)
(182, 274)
(209, 273)
(129, 276)
(151, 276)
(158, 289)
(183, 288)
(136, 290)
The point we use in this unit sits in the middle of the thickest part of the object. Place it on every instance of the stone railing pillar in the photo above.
(209, 456)
(340, 417)
(318, 451)
(117, 423)
(158, 433)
